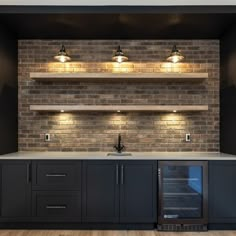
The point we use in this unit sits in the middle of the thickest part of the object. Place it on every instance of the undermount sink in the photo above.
(122, 154)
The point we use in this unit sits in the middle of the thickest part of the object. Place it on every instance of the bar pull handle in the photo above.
(56, 206)
(122, 175)
(56, 175)
(28, 175)
(117, 174)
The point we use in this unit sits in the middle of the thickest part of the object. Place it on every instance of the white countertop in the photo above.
(103, 156)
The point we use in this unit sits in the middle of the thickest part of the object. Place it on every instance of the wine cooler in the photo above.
(182, 195)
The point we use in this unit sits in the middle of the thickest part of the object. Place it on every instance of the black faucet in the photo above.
(119, 147)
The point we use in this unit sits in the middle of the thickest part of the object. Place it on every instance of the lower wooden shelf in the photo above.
(118, 108)
(120, 77)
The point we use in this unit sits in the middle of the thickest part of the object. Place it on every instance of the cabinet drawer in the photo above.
(57, 204)
(57, 175)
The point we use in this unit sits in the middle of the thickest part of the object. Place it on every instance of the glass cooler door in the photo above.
(181, 190)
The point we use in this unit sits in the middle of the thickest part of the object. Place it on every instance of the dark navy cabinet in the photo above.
(15, 189)
(79, 192)
(119, 191)
(138, 188)
(222, 192)
(56, 195)
(100, 192)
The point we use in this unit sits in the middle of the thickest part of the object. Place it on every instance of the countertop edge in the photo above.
(196, 156)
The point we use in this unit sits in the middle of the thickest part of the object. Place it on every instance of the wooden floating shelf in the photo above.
(118, 108)
(119, 77)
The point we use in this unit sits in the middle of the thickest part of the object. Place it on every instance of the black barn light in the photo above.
(175, 55)
(62, 55)
(119, 56)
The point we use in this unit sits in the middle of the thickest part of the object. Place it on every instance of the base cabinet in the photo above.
(222, 192)
(15, 189)
(119, 191)
(81, 192)
(138, 188)
(100, 192)
(56, 191)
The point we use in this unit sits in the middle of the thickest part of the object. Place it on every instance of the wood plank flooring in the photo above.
(109, 233)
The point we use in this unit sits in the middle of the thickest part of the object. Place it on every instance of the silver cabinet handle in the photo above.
(56, 207)
(28, 174)
(122, 174)
(117, 174)
(55, 175)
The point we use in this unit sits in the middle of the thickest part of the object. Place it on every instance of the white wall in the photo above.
(117, 2)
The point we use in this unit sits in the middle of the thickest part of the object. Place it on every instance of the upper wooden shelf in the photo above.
(120, 77)
(118, 108)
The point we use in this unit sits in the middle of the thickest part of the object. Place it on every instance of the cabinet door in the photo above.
(16, 189)
(222, 192)
(100, 191)
(138, 184)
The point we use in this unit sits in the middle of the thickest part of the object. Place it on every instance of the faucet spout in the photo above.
(119, 147)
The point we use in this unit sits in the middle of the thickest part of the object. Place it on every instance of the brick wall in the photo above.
(98, 131)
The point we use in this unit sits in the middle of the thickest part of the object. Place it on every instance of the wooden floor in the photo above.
(109, 233)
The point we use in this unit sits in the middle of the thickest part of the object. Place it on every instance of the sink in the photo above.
(117, 154)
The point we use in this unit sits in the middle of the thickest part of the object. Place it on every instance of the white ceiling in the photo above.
(118, 2)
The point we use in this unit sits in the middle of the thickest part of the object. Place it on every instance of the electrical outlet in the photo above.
(47, 137)
(188, 138)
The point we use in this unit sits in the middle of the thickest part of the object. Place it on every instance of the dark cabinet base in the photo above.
(92, 226)
(221, 226)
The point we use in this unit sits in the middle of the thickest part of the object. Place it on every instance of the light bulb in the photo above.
(62, 59)
(119, 59)
(175, 59)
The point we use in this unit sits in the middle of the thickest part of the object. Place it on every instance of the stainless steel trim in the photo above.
(182, 208)
(181, 194)
(181, 179)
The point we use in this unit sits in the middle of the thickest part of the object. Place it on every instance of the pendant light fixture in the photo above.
(119, 56)
(175, 55)
(62, 55)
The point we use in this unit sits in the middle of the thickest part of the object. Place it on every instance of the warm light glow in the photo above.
(62, 58)
(120, 59)
(176, 59)
(174, 111)
(118, 111)
(62, 111)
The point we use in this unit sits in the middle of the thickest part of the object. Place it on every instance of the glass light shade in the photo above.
(62, 55)
(119, 56)
(175, 55)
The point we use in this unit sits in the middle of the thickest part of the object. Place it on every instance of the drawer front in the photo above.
(54, 174)
(55, 205)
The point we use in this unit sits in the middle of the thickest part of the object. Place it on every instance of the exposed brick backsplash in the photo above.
(98, 131)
